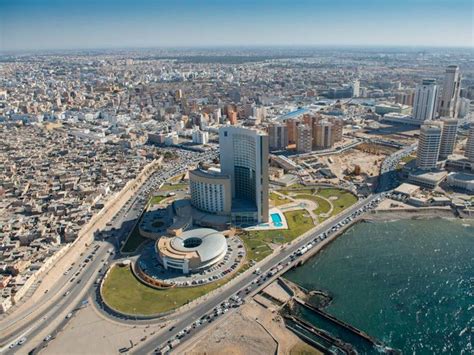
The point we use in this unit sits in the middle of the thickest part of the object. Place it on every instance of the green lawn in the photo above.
(133, 241)
(174, 187)
(344, 199)
(323, 205)
(124, 293)
(257, 242)
(301, 192)
(278, 200)
(156, 200)
(256, 248)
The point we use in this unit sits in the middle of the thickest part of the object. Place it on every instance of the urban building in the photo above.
(304, 139)
(405, 98)
(461, 181)
(469, 152)
(356, 88)
(342, 92)
(424, 106)
(278, 136)
(428, 146)
(337, 128)
(192, 251)
(210, 191)
(401, 118)
(291, 125)
(200, 137)
(384, 108)
(448, 137)
(232, 117)
(323, 137)
(244, 157)
(449, 103)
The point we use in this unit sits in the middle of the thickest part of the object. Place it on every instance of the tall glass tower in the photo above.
(244, 156)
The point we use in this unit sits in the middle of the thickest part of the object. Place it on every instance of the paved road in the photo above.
(90, 272)
(123, 221)
(388, 178)
(206, 307)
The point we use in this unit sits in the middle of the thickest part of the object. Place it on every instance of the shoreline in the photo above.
(414, 214)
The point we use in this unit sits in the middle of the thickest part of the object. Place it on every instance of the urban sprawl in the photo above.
(178, 172)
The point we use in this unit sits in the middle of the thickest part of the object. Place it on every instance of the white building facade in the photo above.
(449, 103)
(424, 105)
(448, 137)
(428, 146)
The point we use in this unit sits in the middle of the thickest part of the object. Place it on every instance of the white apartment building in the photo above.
(200, 137)
(428, 146)
(424, 105)
(448, 137)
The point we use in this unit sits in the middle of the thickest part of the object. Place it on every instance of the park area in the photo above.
(328, 202)
(122, 292)
(258, 243)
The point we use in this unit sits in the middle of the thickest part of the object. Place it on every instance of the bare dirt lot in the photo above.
(368, 158)
(251, 330)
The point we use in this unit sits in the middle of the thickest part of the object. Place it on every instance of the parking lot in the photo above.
(149, 264)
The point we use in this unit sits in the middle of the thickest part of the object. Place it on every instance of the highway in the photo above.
(388, 175)
(246, 279)
(122, 224)
(65, 296)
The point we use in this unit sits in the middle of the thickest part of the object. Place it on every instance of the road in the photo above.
(122, 222)
(388, 174)
(56, 302)
(227, 291)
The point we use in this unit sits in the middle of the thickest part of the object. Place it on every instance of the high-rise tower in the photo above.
(424, 105)
(470, 144)
(449, 104)
(428, 146)
(448, 137)
(244, 157)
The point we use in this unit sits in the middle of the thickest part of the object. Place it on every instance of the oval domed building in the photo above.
(192, 251)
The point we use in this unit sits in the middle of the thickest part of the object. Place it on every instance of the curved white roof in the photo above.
(213, 243)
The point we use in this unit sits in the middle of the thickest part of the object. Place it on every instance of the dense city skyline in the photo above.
(29, 25)
(224, 176)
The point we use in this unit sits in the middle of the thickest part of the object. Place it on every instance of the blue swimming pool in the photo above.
(276, 219)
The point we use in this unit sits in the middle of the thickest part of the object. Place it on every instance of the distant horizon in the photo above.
(231, 47)
(32, 25)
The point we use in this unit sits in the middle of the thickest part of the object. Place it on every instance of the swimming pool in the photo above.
(276, 219)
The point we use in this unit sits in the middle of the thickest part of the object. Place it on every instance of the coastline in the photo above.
(430, 247)
(415, 214)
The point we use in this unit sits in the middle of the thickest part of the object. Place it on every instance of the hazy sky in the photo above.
(69, 24)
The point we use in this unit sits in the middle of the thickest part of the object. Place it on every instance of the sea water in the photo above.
(408, 283)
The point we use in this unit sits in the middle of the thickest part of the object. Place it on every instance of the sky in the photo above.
(83, 24)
